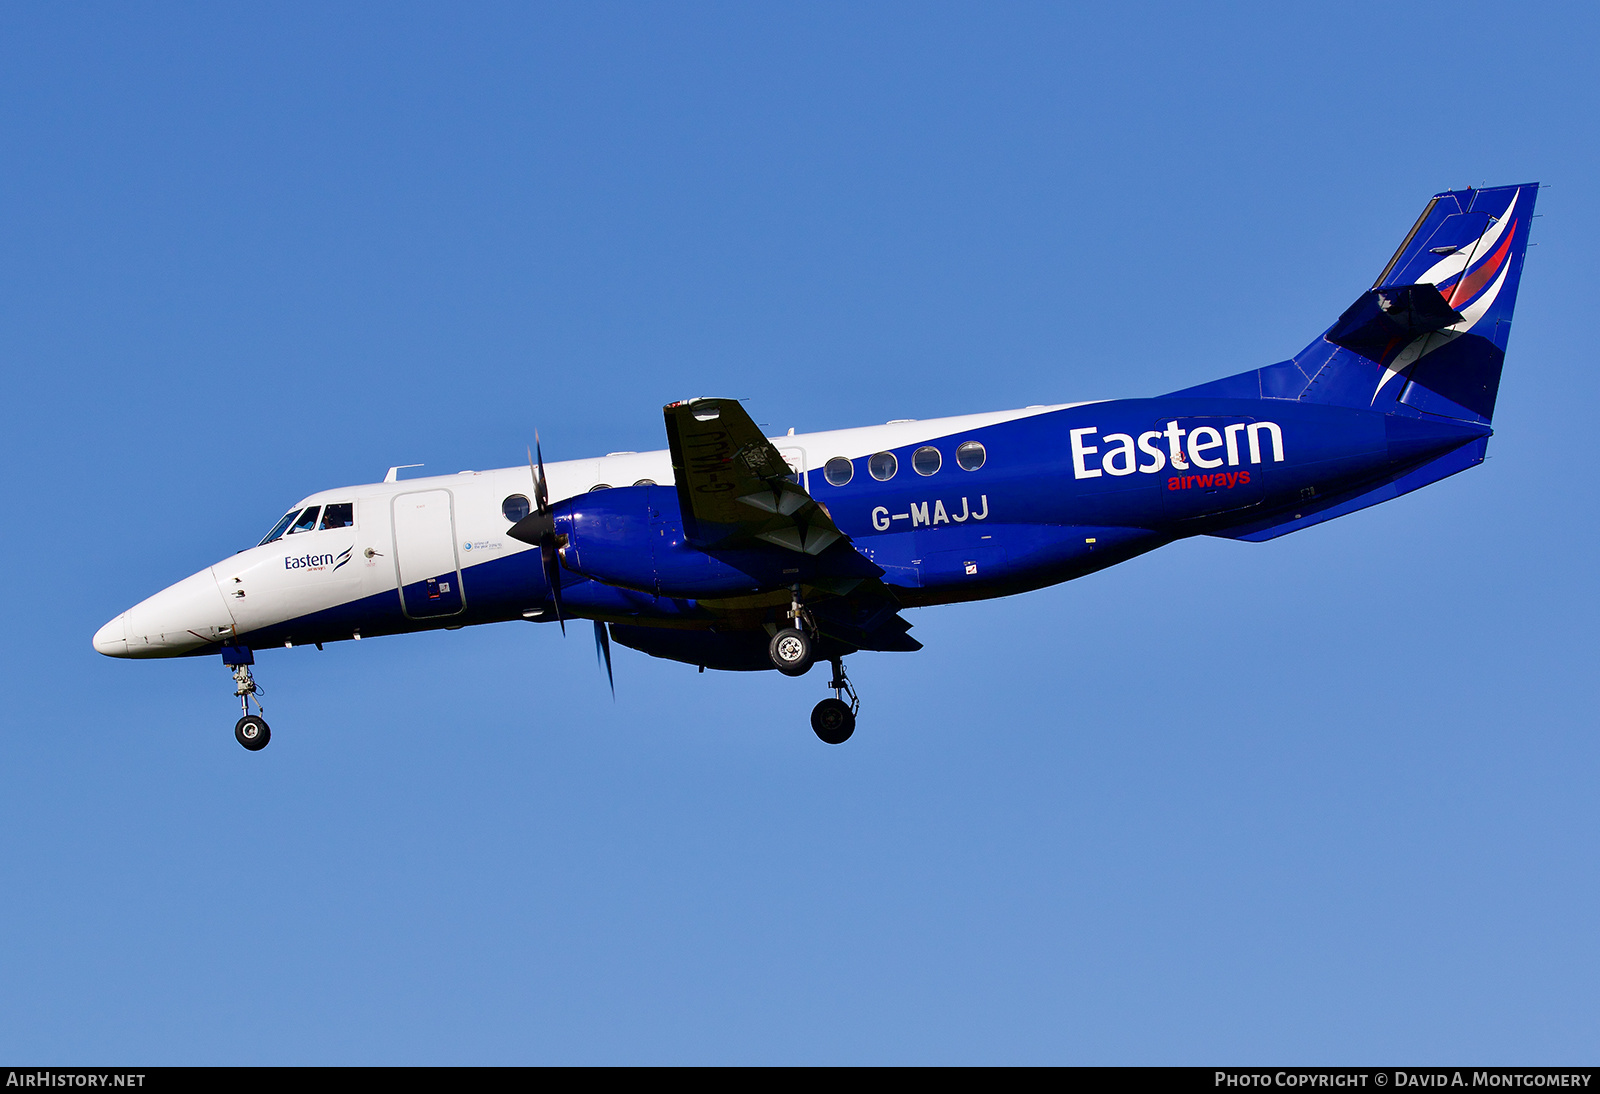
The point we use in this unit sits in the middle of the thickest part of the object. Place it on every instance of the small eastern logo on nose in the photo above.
(466, 546)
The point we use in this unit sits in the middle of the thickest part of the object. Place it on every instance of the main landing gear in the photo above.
(794, 648)
(252, 730)
(793, 651)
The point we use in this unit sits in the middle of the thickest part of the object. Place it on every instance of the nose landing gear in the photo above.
(252, 730)
(833, 720)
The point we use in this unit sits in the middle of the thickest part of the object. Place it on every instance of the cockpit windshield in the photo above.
(307, 520)
(278, 529)
(341, 514)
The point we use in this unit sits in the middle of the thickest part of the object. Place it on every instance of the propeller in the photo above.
(539, 528)
(602, 653)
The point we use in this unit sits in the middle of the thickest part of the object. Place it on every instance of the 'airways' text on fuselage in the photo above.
(1184, 448)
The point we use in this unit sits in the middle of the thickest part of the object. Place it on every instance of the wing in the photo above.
(734, 487)
(736, 491)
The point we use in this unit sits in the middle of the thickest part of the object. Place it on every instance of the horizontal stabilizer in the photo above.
(1382, 322)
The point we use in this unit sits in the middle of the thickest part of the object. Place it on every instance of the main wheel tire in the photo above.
(252, 732)
(833, 721)
(791, 651)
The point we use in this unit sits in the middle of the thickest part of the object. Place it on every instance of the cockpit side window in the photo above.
(340, 514)
(306, 521)
(278, 529)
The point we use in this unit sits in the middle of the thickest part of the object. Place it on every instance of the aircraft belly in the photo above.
(993, 559)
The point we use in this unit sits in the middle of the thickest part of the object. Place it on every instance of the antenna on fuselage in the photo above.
(394, 472)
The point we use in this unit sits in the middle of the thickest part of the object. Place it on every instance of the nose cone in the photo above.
(180, 619)
(112, 639)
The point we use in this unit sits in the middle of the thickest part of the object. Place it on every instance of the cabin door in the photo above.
(425, 554)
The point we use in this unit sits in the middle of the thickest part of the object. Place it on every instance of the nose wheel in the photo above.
(252, 730)
(834, 720)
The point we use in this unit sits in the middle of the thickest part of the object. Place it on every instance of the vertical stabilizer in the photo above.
(1430, 335)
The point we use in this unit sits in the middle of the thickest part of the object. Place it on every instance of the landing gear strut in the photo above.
(794, 648)
(251, 730)
(833, 720)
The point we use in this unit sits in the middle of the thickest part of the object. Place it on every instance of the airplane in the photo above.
(736, 551)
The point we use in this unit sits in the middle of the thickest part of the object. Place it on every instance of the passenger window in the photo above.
(281, 527)
(645, 482)
(339, 515)
(970, 456)
(926, 460)
(838, 471)
(600, 486)
(515, 508)
(307, 521)
(883, 466)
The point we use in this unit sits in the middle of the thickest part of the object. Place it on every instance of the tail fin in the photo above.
(1431, 333)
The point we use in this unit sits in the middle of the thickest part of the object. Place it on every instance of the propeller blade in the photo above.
(539, 529)
(541, 492)
(602, 653)
(552, 576)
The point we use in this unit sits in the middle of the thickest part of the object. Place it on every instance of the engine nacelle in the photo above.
(632, 537)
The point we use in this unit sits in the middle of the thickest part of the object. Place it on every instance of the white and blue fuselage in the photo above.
(734, 551)
(320, 583)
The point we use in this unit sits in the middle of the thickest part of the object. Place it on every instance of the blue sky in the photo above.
(1329, 799)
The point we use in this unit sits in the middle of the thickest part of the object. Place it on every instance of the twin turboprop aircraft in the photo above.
(732, 550)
